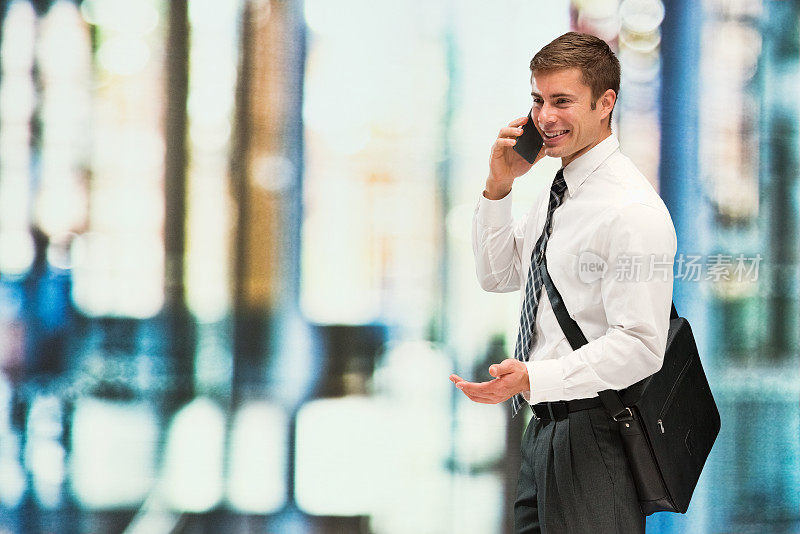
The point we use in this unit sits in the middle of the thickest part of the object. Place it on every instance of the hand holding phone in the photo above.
(504, 165)
(530, 142)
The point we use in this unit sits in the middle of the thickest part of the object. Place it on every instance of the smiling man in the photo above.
(574, 476)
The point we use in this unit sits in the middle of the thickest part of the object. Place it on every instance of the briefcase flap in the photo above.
(631, 395)
(679, 413)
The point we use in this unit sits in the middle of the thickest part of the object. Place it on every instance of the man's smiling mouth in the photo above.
(553, 135)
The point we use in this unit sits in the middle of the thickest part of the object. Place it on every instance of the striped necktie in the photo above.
(533, 285)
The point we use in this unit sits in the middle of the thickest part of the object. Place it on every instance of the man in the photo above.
(609, 244)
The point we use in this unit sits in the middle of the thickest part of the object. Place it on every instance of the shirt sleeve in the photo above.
(636, 294)
(497, 242)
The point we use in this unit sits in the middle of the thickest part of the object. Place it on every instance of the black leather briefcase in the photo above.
(668, 422)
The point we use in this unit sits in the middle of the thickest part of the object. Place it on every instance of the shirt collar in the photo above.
(578, 170)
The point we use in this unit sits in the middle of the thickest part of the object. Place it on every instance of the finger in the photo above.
(503, 142)
(519, 121)
(486, 399)
(509, 132)
(455, 379)
(461, 383)
(500, 145)
(500, 369)
(479, 388)
(477, 397)
(509, 365)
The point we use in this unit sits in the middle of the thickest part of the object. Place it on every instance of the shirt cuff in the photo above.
(546, 381)
(495, 213)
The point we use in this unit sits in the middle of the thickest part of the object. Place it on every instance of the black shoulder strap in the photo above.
(610, 398)
(568, 325)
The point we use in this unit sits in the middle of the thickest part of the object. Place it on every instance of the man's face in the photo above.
(562, 109)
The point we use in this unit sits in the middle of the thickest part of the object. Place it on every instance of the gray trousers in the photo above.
(574, 478)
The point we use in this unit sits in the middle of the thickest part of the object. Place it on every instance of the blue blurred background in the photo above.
(235, 268)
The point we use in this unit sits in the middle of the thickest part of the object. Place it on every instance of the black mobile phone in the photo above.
(530, 142)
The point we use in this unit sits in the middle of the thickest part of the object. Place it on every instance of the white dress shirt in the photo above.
(610, 216)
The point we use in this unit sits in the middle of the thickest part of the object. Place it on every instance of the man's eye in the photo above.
(537, 100)
(562, 101)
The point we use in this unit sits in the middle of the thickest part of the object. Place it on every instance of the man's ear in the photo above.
(607, 102)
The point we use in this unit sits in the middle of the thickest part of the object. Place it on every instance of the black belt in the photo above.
(559, 410)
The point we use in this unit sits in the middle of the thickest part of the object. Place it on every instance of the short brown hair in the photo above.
(598, 65)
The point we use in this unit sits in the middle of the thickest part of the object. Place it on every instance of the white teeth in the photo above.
(554, 134)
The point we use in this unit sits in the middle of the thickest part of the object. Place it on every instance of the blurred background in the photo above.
(235, 267)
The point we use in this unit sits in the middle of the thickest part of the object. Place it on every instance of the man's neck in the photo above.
(572, 157)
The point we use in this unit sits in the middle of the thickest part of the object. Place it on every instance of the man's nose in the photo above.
(546, 114)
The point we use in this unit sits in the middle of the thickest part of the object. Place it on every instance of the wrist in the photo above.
(525, 381)
(494, 191)
(522, 383)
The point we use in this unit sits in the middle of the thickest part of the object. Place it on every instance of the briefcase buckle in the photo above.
(622, 417)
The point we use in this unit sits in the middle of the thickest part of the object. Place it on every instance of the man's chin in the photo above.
(553, 151)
